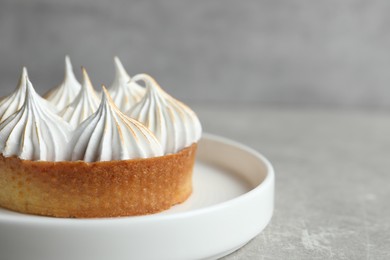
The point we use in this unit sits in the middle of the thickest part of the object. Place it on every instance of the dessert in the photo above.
(109, 135)
(13, 102)
(34, 132)
(65, 93)
(174, 124)
(102, 163)
(85, 103)
(124, 91)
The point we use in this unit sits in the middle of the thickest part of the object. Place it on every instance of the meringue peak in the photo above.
(120, 72)
(31, 96)
(24, 71)
(30, 91)
(108, 101)
(124, 91)
(84, 104)
(65, 93)
(22, 79)
(87, 84)
(23, 76)
(13, 102)
(106, 96)
(175, 125)
(108, 135)
(69, 74)
(34, 132)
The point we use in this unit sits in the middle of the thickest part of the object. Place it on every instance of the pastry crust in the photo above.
(98, 189)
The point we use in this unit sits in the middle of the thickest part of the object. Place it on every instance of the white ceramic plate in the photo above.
(232, 202)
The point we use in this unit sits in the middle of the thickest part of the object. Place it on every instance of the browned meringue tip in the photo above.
(106, 95)
(86, 79)
(105, 91)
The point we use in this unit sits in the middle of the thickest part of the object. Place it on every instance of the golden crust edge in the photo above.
(99, 189)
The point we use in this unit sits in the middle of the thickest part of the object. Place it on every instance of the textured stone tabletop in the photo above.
(332, 179)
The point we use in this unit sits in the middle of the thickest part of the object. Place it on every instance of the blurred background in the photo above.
(276, 52)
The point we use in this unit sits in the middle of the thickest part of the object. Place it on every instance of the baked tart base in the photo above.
(76, 189)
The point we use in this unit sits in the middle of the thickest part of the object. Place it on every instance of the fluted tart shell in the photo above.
(77, 189)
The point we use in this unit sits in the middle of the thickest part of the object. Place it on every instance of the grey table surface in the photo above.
(332, 179)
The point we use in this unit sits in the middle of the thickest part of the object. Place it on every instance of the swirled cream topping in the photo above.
(84, 105)
(123, 90)
(14, 102)
(34, 132)
(67, 91)
(108, 135)
(175, 125)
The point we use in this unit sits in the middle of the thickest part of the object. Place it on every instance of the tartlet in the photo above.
(103, 163)
(99, 189)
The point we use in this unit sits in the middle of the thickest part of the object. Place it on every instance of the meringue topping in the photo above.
(34, 132)
(66, 92)
(108, 135)
(84, 105)
(14, 102)
(175, 125)
(123, 90)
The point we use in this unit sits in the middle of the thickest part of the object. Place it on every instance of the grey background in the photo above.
(276, 52)
(332, 180)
